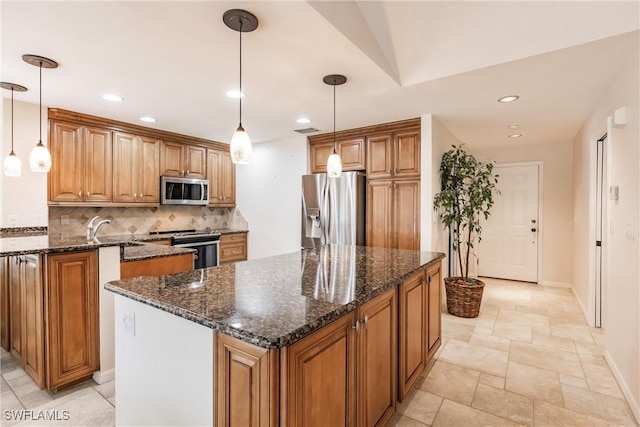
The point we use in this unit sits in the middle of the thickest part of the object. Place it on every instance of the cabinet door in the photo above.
(434, 281)
(16, 306)
(377, 358)
(318, 155)
(407, 153)
(125, 168)
(67, 167)
(148, 180)
(228, 179)
(233, 247)
(406, 215)
(98, 163)
(246, 384)
(32, 321)
(72, 307)
(379, 210)
(321, 377)
(379, 158)
(5, 311)
(352, 153)
(213, 175)
(195, 165)
(171, 161)
(413, 331)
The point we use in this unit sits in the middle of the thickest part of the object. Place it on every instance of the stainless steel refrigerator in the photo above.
(333, 209)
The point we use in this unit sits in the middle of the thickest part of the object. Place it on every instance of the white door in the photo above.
(509, 246)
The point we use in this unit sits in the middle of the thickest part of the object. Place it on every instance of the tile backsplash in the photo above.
(67, 221)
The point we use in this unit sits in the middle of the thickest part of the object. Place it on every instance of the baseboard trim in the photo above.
(583, 309)
(624, 387)
(102, 377)
(556, 284)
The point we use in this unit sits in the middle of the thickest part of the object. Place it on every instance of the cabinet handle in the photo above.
(188, 171)
(88, 194)
(357, 326)
(233, 252)
(135, 196)
(366, 321)
(80, 194)
(429, 279)
(182, 172)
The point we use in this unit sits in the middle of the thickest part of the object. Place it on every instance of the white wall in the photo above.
(24, 196)
(557, 214)
(622, 275)
(268, 195)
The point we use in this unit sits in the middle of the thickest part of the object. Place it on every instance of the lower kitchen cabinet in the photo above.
(156, 266)
(434, 279)
(233, 247)
(71, 301)
(5, 312)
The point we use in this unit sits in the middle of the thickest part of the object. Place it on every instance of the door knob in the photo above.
(533, 230)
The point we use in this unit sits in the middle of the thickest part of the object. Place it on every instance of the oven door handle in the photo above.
(188, 245)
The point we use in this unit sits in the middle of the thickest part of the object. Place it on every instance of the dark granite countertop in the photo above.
(273, 302)
(150, 251)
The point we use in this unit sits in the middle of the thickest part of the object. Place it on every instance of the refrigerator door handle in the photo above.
(324, 214)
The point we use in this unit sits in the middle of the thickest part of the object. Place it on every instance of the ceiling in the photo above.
(175, 60)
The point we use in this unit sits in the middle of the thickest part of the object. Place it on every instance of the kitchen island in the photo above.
(330, 335)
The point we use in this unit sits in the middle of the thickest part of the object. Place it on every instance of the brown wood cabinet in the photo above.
(246, 384)
(81, 169)
(434, 281)
(393, 214)
(352, 152)
(185, 160)
(156, 266)
(5, 310)
(221, 173)
(71, 301)
(16, 307)
(233, 247)
(136, 173)
(394, 155)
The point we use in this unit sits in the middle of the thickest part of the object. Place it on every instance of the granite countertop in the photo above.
(150, 251)
(273, 302)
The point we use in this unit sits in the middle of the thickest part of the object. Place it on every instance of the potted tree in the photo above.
(467, 192)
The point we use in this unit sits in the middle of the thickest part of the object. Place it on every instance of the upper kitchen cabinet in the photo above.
(136, 168)
(183, 160)
(351, 150)
(81, 169)
(394, 154)
(221, 173)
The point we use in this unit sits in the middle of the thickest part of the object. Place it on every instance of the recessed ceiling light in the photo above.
(148, 119)
(508, 98)
(303, 120)
(513, 126)
(235, 94)
(515, 135)
(112, 97)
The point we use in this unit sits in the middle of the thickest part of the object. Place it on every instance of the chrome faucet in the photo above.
(93, 229)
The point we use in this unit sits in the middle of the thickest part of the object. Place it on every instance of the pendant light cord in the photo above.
(334, 118)
(12, 120)
(40, 102)
(240, 71)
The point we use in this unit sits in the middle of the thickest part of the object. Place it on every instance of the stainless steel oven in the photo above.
(206, 245)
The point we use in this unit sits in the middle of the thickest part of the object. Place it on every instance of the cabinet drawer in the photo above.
(230, 239)
(235, 252)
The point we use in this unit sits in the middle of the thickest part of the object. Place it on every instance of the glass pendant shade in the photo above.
(12, 165)
(334, 166)
(40, 158)
(240, 147)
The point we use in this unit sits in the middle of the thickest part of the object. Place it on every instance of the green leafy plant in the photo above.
(468, 186)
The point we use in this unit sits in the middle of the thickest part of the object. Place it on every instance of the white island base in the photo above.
(164, 368)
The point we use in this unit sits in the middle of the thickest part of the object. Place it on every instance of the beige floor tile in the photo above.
(514, 331)
(15, 373)
(456, 331)
(574, 381)
(598, 338)
(558, 361)
(548, 415)
(112, 400)
(531, 309)
(533, 382)
(550, 341)
(601, 380)
(452, 382)
(504, 404)
(399, 420)
(572, 331)
(458, 415)
(9, 403)
(422, 407)
(4, 386)
(491, 380)
(28, 392)
(483, 359)
(523, 318)
(107, 389)
(591, 349)
(595, 404)
(490, 341)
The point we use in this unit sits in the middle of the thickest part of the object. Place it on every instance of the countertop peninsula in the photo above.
(275, 301)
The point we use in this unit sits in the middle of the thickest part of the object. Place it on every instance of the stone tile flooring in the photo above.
(529, 359)
(86, 404)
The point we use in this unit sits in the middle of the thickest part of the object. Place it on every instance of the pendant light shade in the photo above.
(12, 165)
(243, 22)
(334, 163)
(40, 157)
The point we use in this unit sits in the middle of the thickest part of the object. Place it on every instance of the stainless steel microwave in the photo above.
(184, 191)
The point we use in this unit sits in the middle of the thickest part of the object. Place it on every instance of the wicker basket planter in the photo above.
(463, 297)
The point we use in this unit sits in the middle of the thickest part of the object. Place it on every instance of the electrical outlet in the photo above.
(129, 322)
(64, 219)
(13, 220)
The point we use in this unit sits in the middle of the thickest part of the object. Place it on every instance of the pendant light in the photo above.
(334, 163)
(243, 22)
(12, 164)
(40, 158)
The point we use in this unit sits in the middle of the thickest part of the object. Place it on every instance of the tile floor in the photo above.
(529, 359)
